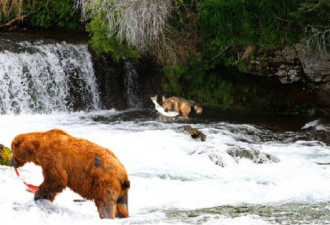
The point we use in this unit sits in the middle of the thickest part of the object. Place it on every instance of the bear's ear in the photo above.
(15, 143)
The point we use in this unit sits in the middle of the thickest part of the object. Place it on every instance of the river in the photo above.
(175, 179)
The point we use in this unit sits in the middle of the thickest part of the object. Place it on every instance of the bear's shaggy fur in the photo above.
(88, 169)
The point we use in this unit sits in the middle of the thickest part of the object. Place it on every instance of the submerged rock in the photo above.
(215, 156)
(194, 133)
(221, 158)
(5, 155)
(217, 159)
(253, 155)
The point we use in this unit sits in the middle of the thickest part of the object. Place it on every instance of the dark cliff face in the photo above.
(112, 82)
(293, 65)
(110, 79)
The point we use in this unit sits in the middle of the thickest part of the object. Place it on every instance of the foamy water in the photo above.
(173, 179)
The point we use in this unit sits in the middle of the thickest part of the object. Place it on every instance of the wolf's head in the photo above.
(167, 105)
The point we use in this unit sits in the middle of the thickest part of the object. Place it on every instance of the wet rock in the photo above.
(5, 155)
(215, 156)
(324, 92)
(316, 64)
(217, 160)
(193, 132)
(292, 63)
(253, 155)
(285, 65)
(295, 64)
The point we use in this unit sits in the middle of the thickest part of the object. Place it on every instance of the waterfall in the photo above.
(131, 85)
(46, 77)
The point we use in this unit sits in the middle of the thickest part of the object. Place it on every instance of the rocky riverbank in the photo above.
(294, 64)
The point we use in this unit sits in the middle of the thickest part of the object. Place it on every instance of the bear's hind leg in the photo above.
(122, 206)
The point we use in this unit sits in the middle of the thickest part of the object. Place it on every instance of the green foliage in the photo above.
(52, 13)
(227, 28)
(171, 84)
(190, 81)
(261, 23)
(311, 112)
(102, 42)
(314, 16)
(312, 86)
(313, 12)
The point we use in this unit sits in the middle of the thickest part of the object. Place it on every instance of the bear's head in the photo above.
(23, 149)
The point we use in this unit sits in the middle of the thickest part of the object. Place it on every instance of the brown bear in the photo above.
(88, 169)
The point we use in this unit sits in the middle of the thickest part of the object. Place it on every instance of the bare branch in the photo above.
(318, 38)
(221, 51)
(137, 22)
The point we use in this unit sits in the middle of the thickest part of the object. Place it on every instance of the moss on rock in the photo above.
(5, 155)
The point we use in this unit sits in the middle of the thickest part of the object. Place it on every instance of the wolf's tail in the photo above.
(197, 107)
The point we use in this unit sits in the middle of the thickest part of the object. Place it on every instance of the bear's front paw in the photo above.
(43, 195)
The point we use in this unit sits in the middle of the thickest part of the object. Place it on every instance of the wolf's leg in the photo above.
(185, 110)
(186, 116)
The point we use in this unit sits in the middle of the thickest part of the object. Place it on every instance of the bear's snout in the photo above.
(13, 162)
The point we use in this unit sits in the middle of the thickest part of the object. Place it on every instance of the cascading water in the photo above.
(131, 85)
(43, 78)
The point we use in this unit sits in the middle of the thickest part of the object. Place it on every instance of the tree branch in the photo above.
(221, 52)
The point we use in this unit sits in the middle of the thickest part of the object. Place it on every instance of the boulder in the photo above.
(193, 132)
(5, 155)
(253, 155)
(316, 64)
(295, 64)
(216, 159)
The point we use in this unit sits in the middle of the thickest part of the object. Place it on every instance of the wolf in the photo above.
(182, 105)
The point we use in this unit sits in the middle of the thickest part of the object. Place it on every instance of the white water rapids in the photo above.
(173, 179)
